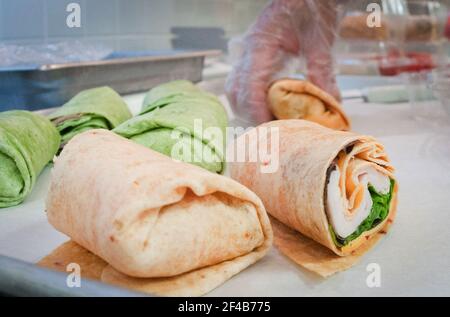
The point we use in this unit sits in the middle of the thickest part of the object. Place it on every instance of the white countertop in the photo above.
(414, 256)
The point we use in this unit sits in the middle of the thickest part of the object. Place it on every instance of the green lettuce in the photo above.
(379, 212)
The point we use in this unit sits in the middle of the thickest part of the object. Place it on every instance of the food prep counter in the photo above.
(414, 257)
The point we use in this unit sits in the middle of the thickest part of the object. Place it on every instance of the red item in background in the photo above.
(395, 64)
(447, 28)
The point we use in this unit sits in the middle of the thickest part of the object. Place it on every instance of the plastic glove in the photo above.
(286, 30)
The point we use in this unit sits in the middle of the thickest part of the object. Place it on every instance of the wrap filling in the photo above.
(359, 191)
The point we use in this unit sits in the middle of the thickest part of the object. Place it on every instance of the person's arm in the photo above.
(285, 30)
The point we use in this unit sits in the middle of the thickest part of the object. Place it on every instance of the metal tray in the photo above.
(19, 278)
(51, 85)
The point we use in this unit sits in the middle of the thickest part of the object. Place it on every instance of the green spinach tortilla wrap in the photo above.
(96, 108)
(28, 142)
(183, 122)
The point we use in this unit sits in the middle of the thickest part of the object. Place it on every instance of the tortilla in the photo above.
(28, 142)
(150, 217)
(300, 99)
(194, 283)
(70, 252)
(295, 193)
(96, 108)
(183, 122)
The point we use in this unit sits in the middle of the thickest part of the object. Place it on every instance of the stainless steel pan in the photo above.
(48, 86)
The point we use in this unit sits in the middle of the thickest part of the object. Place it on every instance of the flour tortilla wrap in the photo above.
(28, 142)
(175, 120)
(151, 218)
(96, 108)
(300, 99)
(193, 283)
(299, 193)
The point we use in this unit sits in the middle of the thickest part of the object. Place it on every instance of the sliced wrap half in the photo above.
(96, 108)
(28, 142)
(148, 222)
(336, 188)
(300, 99)
(183, 122)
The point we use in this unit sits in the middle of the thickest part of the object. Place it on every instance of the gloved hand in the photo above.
(285, 30)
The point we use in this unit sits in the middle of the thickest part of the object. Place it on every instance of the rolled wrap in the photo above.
(154, 220)
(96, 108)
(28, 142)
(178, 115)
(300, 99)
(296, 194)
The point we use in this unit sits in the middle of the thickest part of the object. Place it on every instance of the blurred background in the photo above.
(409, 51)
(131, 24)
(164, 24)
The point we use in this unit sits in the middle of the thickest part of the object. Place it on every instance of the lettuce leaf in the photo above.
(379, 212)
